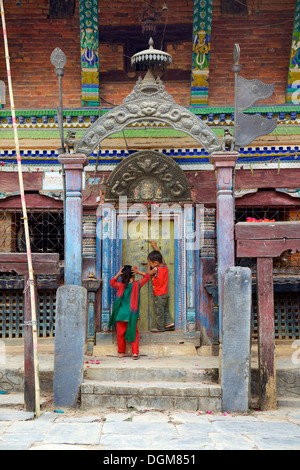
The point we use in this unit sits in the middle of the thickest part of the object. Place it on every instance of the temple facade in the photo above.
(149, 173)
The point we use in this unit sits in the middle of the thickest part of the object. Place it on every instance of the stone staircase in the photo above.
(170, 375)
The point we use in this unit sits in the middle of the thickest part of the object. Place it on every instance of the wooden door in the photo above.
(135, 253)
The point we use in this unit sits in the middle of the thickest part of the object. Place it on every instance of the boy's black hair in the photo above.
(155, 256)
(126, 274)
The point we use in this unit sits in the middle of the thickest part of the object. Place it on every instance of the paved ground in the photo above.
(149, 430)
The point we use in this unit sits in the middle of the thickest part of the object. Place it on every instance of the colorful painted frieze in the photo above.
(293, 86)
(202, 20)
(89, 42)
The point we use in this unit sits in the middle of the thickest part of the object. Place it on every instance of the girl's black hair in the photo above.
(126, 274)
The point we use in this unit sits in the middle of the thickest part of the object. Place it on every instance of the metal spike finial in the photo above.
(236, 53)
(236, 68)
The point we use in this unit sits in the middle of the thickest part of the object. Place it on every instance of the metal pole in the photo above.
(236, 68)
(59, 60)
(30, 283)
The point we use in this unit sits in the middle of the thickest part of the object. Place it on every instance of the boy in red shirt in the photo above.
(160, 276)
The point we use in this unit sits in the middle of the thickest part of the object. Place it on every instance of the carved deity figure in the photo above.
(201, 48)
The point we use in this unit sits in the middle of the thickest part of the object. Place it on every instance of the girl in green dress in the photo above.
(126, 308)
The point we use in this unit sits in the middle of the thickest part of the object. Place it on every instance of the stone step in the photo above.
(288, 402)
(16, 399)
(11, 399)
(155, 349)
(164, 396)
(146, 337)
(152, 372)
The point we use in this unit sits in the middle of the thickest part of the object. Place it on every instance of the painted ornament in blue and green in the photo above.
(202, 20)
(293, 86)
(89, 41)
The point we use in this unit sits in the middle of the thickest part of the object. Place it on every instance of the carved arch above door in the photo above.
(148, 176)
(148, 106)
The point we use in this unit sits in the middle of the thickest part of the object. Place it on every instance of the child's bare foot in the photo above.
(122, 355)
(170, 327)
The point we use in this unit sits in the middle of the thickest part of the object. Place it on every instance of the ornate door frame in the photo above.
(174, 203)
(109, 230)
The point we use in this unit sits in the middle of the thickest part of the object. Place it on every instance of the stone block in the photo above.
(209, 404)
(162, 403)
(236, 340)
(138, 402)
(70, 335)
(187, 403)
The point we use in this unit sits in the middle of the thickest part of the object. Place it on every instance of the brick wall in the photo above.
(265, 42)
(32, 37)
(264, 38)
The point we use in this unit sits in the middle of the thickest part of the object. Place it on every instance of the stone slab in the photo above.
(74, 433)
(70, 334)
(236, 340)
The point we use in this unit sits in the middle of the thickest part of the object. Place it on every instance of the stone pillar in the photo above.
(92, 285)
(71, 307)
(70, 336)
(236, 347)
(224, 163)
(73, 165)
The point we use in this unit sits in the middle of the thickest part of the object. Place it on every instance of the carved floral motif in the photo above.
(158, 106)
(148, 175)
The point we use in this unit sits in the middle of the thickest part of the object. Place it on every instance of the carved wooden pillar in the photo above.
(224, 163)
(266, 340)
(73, 165)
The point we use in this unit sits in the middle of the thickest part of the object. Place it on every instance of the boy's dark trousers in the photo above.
(162, 312)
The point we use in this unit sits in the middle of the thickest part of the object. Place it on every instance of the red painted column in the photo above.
(266, 339)
(224, 163)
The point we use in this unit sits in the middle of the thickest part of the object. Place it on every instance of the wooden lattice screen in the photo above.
(11, 313)
(286, 316)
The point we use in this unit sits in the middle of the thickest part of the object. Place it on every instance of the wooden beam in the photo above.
(266, 337)
(29, 376)
(22, 257)
(266, 248)
(267, 230)
(17, 263)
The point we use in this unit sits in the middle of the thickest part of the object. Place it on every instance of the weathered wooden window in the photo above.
(46, 232)
(62, 9)
(286, 316)
(234, 7)
(11, 309)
